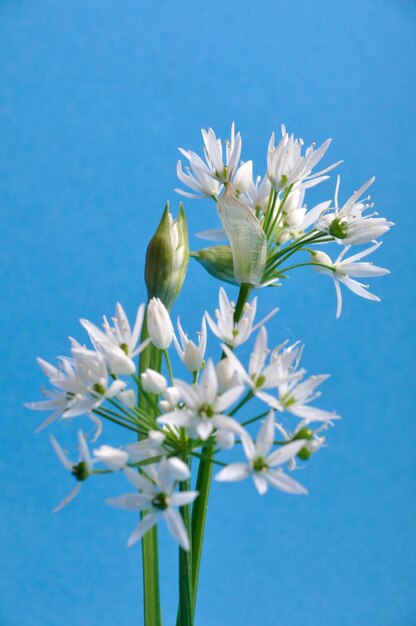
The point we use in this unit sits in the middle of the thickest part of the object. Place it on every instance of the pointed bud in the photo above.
(159, 324)
(167, 258)
(153, 382)
(218, 261)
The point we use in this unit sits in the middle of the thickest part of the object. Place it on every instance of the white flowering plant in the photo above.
(181, 428)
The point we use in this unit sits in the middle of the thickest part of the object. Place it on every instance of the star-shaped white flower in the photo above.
(119, 344)
(341, 270)
(287, 166)
(235, 333)
(348, 225)
(80, 469)
(261, 376)
(157, 498)
(203, 410)
(191, 355)
(262, 464)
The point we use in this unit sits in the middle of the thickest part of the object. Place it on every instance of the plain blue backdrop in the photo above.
(95, 98)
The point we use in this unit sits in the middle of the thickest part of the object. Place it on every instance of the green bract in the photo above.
(218, 261)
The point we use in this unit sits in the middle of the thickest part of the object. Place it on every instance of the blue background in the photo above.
(95, 98)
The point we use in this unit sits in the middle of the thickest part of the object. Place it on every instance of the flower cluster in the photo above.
(186, 403)
(187, 416)
(265, 220)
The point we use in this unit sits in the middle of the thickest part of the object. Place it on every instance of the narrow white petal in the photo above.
(148, 521)
(68, 498)
(233, 472)
(176, 527)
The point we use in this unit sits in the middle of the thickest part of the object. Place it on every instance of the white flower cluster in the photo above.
(277, 200)
(187, 415)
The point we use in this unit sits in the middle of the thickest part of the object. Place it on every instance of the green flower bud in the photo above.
(304, 453)
(218, 261)
(167, 258)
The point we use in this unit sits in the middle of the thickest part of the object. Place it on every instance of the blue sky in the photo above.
(95, 98)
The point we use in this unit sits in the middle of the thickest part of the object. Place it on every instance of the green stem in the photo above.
(169, 365)
(186, 613)
(199, 513)
(203, 481)
(150, 357)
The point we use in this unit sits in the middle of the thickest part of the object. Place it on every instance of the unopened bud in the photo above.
(167, 258)
(153, 382)
(159, 324)
(218, 261)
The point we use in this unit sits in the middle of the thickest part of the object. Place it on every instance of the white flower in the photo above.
(196, 178)
(157, 498)
(118, 343)
(234, 334)
(259, 375)
(153, 382)
(342, 269)
(262, 463)
(347, 224)
(81, 385)
(243, 177)
(204, 407)
(191, 355)
(92, 387)
(149, 448)
(227, 376)
(257, 195)
(127, 397)
(80, 470)
(171, 397)
(159, 324)
(295, 396)
(286, 166)
(114, 458)
(207, 177)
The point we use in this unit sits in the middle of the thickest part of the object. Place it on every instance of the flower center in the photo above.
(125, 348)
(80, 471)
(99, 388)
(160, 501)
(259, 464)
(206, 411)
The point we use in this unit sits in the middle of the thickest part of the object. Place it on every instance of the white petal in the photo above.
(286, 452)
(233, 472)
(260, 483)
(176, 527)
(148, 521)
(131, 501)
(183, 497)
(68, 498)
(282, 481)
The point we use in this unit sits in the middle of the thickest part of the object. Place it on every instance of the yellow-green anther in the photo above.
(218, 261)
(167, 258)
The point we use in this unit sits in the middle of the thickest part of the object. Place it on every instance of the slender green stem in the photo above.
(242, 402)
(150, 357)
(292, 267)
(203, 481)
(210, 460)
(186, 613)
(169, 365)
(115, 420)
(199, 513)
(255, 419)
